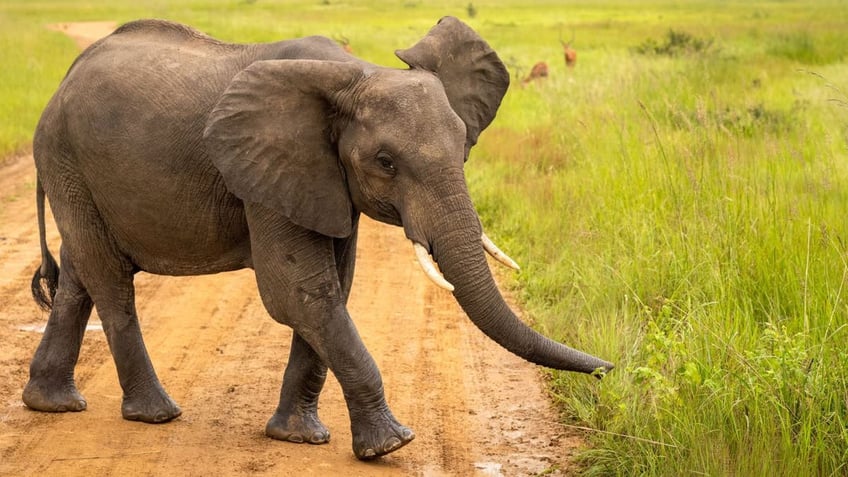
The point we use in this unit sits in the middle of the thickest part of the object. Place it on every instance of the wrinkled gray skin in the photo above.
(167, 151)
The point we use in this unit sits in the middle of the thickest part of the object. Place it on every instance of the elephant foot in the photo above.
(152, 409)
(40, 395)
(297, 428)
(379, 437)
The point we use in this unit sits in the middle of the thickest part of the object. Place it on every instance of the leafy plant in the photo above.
(677, 43)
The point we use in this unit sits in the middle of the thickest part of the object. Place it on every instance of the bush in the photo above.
(677, 43)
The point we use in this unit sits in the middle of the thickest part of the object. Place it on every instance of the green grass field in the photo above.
(679, 203)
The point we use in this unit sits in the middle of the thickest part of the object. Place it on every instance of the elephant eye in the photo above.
(386, 162)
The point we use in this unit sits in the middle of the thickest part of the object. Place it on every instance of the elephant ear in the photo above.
(270, 137)
(475, 79)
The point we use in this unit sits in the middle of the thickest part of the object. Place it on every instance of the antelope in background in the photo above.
(344, 42)
(569, 53)
(540, 70)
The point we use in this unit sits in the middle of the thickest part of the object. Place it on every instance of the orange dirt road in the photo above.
(476, 409)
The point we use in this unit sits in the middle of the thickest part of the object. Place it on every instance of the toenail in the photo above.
(392, 444)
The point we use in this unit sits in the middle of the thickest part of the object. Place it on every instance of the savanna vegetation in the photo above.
(678, 200)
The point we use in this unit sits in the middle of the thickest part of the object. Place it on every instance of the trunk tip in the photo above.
(602, 370)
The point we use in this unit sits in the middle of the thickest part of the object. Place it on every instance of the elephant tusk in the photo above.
(430, 267)
(495, 252)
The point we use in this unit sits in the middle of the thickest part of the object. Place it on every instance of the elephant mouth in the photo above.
(387, 213)
(430, 268)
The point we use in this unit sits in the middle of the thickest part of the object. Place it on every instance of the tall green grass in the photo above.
(682, 214)
(30, 70)
(685, 216)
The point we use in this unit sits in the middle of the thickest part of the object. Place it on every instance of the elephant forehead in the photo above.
(403, 92)
(418, 122)
(410, 110)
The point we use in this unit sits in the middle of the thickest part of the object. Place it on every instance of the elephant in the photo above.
(170, 152)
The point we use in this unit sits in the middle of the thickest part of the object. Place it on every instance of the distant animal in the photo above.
(345, 43)
(569, 53)
(540, 70)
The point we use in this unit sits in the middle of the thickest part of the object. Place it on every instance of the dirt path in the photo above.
(476, 409)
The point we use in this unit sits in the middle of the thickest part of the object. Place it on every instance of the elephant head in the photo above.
(320, 141)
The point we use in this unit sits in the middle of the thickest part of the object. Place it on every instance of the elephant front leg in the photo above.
(296, 418)
(302, 285)
(374, 429)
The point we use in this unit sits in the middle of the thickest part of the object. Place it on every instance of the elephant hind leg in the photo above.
(144, 397)
(296, 418)
(51, 385)
(106, 274)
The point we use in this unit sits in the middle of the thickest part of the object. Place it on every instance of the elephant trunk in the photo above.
(458, 249)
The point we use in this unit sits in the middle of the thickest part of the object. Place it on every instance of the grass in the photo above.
(684, 214)
(680, 214)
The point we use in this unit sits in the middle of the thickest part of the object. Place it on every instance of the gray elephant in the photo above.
(167, 151)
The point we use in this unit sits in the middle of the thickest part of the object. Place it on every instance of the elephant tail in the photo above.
(45, 281)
